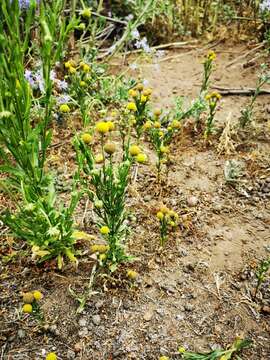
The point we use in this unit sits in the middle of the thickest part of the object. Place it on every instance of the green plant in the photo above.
(212, 100)
(247, 113)
(260, 274)
(208, 68)
(25, 138)
(108, 182)
(219, 354)
(138, 107)
(168, 220)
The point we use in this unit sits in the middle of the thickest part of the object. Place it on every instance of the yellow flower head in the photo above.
(164, 358)
(28, 298)
(27, 308)
(140, 87)
(85, 67)
(102, 127)
(99, 159)
(161, 134)
(157, 125)
(102, 257)
(132, 93)
(157, 112)
(110, 148)
(141, 158)
(211, 55)
(86, 138)
(104, 230)
(144, 99)
(132, 106)
(147, 125)
(134, 150)
(181, 350)
(99, 248)
(176, 124)
(64, 108)
(83, 84)
(164, 209)
(37, 295)
(86, 13)
(132, 275)
(147, 92)
(81, 26)
(67, 64)
(111, 125)
(160, 215)
(215, 95)
(51, 356)
(72, 70)
(164, 149)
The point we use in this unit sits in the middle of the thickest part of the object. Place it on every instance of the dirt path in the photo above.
(196, 292)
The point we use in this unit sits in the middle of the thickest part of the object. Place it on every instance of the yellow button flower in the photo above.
(64, 108)
(99, 248)
(131, 274)
(72, 70)
(147, 92)
(212, 55)
(160, 215)
(99, 159)
(86, 138)
(28, 298)
(102, 127)
(140, 87)
(164, 149)
(51, 356)
(110, 148)
(85, 67)
(181, 350)
(141, 158)
(111, 125)
(83, 84)
(134, 150)
(104, 230)
(102, 257)
(176, 124)
(157, 112)
(37, 295)
(132, 93)
(27, 308)
(86, 13)
(144, 99)
(157, 124)
(132, 106)
(147, 125)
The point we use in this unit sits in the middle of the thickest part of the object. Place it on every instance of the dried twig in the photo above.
(234, 91)
(256, 48)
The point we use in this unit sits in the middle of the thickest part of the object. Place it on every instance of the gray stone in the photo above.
(96, 319)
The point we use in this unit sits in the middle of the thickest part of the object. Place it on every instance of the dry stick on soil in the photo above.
(233, 91)
(258, 47)
(207, 47)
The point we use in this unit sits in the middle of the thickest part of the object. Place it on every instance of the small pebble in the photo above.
(96, 319)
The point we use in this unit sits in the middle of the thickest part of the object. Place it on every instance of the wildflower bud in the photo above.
(176, 124)
(72, 70)
(99, 248)
(111, 125)
(141, 158)
(157, 112)
(104, 230)
(98, 204)
(132, 275)
(99, 159)
(181, 350)
(132, 106)
(85, 67)
(132, 93)
(102, 257)
(51, 356)
(27, 308)
(144, 99)
(86, 13)
(160, 215)
(157, 125)
(164, 149)
(164, 358)
(64, 108)
(86, 138)
(134, 150)
(147, 125)
(37, 295)
(102, 127)
(110, 148)
(28, 298)
(83, 84)
(164, 209)
(140, 87)
(147, 92)
(81, 27)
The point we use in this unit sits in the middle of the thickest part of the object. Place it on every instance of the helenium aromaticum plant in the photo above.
(168, 221)
(138, 106)
(212, 100)
(261, 272)
(25, 138)
(207, 70)
(106, 184)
